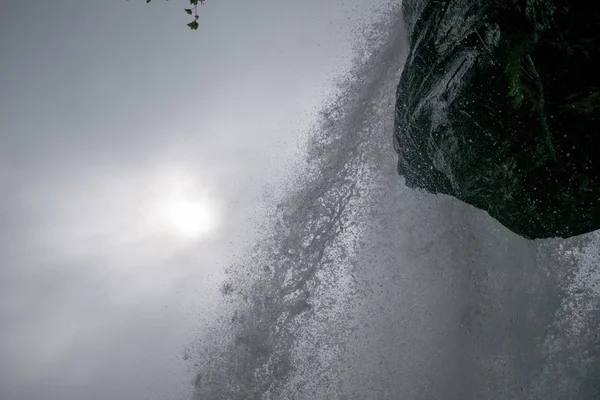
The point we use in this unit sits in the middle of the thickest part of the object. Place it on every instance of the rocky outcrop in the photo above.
(499, 106)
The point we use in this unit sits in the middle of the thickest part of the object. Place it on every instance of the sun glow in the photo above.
(190, 218)
(183, 206)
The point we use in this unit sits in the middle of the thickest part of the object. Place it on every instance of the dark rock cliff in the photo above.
(498, 105)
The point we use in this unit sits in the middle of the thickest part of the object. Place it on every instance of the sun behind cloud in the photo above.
(190, 218)
(182, 206)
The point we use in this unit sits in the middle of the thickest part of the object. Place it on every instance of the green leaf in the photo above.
(189, 11)
(193, 25)
(194, 2)
(148, 1)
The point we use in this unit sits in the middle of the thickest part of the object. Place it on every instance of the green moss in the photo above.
(515, 87)
(584, 103)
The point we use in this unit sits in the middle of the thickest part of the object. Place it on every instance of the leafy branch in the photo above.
(193, 10)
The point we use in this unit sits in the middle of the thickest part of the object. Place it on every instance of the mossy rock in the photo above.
(499, 104)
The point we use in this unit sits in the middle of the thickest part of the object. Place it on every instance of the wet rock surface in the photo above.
(498, 105)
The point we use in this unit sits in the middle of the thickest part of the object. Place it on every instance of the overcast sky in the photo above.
(117, 123)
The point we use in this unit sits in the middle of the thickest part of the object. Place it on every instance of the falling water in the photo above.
(360, 288)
